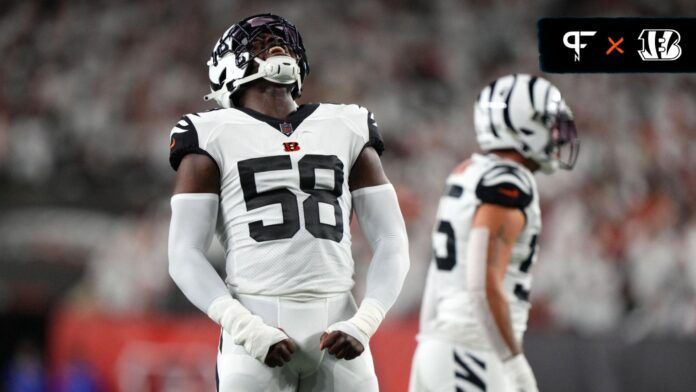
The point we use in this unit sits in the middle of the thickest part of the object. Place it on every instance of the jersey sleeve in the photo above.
(505, 186)
(374, 137)
(184, 140)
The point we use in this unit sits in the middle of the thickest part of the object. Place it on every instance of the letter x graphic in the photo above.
(614, 45)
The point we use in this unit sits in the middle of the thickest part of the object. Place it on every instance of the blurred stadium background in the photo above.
(90, 89)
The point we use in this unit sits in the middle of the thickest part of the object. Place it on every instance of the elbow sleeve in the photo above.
(378, 212)
(190, 234)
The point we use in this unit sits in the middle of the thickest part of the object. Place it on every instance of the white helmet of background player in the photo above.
(230, 64)
(528, 114)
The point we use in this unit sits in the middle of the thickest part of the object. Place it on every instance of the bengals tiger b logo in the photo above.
(660, 45)
(291, 146)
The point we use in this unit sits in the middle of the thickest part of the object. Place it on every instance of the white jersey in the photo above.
(482, 179)
(285, 205)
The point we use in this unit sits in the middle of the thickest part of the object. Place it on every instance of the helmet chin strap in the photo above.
(222, 96)
(276, 69)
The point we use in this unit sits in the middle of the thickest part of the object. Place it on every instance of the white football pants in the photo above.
(439, 366)
(310, 369)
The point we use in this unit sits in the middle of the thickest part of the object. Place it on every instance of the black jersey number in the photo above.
(307, 166)
(447, 262)
(527, 263)
(291, 216)
(288, 203)
(520, 291)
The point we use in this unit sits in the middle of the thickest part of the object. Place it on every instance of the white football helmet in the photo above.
(229, 66)
(528, 114)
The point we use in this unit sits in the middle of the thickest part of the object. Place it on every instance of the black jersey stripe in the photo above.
(527, 263)
(521, 293)
(497, 174)
(188, 124)
(455, 191)
(375, 138)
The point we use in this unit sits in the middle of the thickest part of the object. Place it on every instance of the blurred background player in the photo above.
(476, 301)
(281, 182)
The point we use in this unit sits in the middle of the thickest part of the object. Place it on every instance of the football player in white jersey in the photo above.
(278, 183)
(476, 299)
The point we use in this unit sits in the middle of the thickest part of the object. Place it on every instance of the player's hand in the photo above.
(280, 353)
(341, 345)
(520, 373)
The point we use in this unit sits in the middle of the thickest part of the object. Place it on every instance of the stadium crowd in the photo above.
(90, 90)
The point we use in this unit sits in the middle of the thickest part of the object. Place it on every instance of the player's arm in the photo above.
(501, 226)
(492, 238)
(377, 210)
(194, 214)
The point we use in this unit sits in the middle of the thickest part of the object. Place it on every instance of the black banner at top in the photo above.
(617, 44)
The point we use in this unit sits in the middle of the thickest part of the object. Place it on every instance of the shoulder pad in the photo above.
(505, 185)
(183, 141)
(360, 117)
(374, 137)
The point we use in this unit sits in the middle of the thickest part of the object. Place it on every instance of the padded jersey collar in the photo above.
(293, 120)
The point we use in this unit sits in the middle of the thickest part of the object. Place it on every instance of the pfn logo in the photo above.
(659, 45)
(575, 44)
(291, 146)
